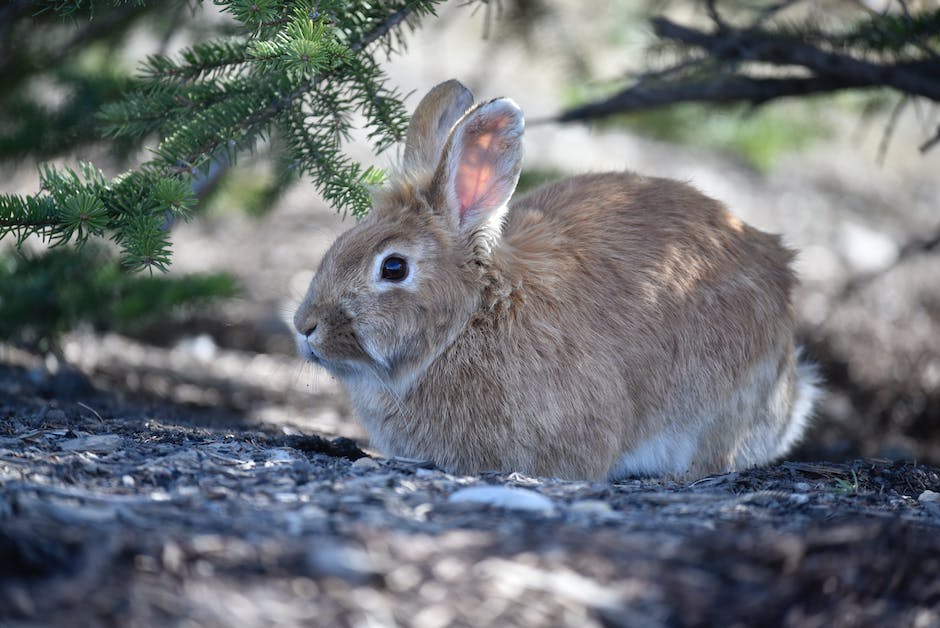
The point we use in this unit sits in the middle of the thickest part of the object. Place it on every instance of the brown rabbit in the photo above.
(605, 325)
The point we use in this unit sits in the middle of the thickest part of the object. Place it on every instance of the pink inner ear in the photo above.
(476, 171)
(475, 178)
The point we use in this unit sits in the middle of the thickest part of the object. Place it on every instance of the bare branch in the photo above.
(916, 78)
(889, 128)
(725, 89)
(829, 71)
(933, 141)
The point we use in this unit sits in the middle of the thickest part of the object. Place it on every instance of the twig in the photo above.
(92, 410)
(772, 10)
(382, 29)
(715, 16)
(933, 141)
(171, 29)
(889, 129)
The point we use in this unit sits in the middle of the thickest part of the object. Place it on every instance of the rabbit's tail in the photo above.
(808, 391)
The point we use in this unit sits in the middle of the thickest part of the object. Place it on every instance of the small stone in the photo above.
(55, 415)
(503, 497)
(365, 464)
(342, 561)
(865, 248)
(802, 487)
(96, 444)
(173, 557)
(929, 497)
(593, 507)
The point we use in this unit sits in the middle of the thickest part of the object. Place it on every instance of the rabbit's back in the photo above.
(681, 311)
(656, 257)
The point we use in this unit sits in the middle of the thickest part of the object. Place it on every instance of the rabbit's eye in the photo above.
(394, 268)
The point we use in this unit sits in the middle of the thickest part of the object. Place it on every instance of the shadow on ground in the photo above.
(119, 510)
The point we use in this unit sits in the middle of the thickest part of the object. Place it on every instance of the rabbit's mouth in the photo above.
(340, 367)
(308, 353)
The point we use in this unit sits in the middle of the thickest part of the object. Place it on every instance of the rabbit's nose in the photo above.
(309, 330)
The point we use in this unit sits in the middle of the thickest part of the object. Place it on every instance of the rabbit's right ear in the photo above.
(480, 167)
(431, 123)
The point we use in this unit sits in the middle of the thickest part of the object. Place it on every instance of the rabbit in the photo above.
(603, 326)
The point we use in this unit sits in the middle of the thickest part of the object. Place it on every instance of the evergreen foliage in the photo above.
(283, 77)
(43, 296)
(295, 69)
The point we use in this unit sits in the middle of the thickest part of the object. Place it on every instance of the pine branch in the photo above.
(301, 72)
(21, 64)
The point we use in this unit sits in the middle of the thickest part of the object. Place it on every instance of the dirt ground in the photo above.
(123, 511)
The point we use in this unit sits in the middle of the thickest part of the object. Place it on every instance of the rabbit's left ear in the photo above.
(480, 165)
(432, 121)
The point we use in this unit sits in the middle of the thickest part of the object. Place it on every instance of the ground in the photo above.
(117, 510)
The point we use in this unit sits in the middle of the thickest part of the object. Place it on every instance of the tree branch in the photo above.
(279, 104)
(725, 89)
(915, 78)
(382, 29)
(829, 71)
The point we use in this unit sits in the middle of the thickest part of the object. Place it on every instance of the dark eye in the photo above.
(394, 268)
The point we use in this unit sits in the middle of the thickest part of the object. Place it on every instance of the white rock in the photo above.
(929, 497)
(97, 444)
(365, 464)
(866, 249)
(593, 507)
(503, 497)
(279, 456)
(343, 561)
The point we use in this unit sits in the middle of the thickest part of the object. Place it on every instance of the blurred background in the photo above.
(840, 175)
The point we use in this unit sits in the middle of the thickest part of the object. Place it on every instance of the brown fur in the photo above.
(607, 312)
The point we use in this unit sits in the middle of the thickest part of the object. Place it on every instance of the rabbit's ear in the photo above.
(480, 165)
(432, 121)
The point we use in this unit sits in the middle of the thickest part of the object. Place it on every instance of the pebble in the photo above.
(55, 415)
(342, 561)
(365, 464)
(593, 507)
(929, 497)
(97, 444)
(503, 497)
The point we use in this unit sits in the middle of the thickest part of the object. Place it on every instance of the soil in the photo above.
(119, 510)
